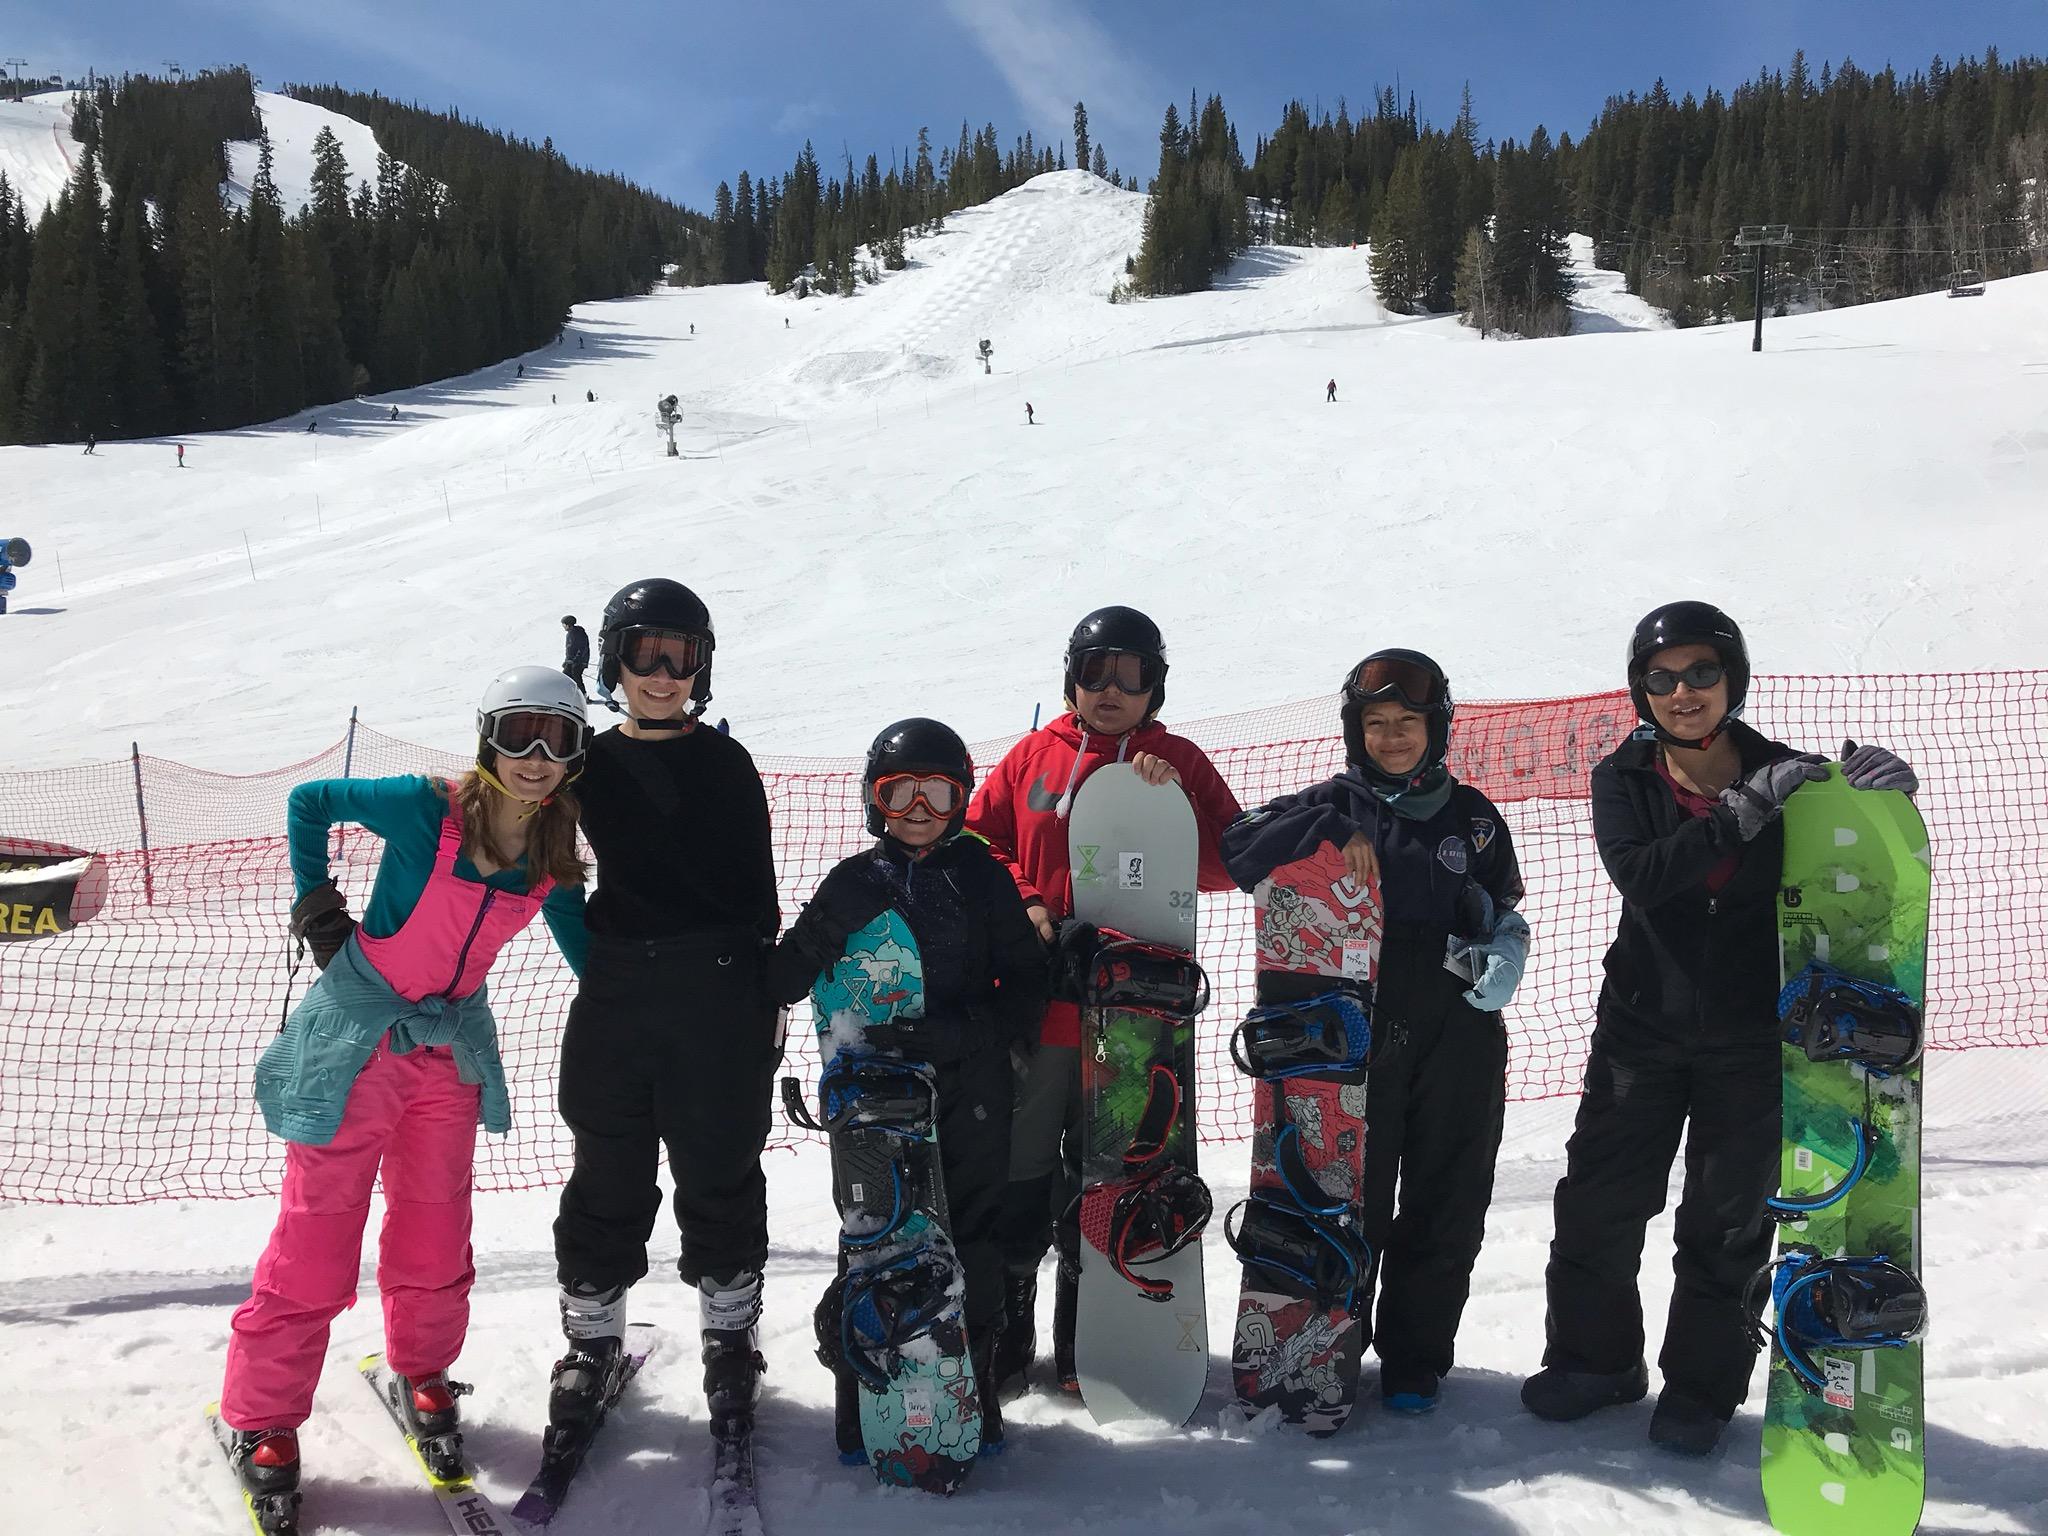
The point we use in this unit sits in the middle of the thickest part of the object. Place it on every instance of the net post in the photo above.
(142, 820)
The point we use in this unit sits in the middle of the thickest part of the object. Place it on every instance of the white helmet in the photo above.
(517, 713)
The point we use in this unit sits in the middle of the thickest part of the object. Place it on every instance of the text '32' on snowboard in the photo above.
(1141, 1333)
(1299, 1339)
(1844, 1418)
(899, 1324)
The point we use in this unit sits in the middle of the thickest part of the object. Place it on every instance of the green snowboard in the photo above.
(1842, 1448)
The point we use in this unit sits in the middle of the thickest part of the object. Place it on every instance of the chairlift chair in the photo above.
(1966, 283)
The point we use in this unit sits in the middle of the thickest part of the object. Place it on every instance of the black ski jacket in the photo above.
(576, 648)
(984, 968)
(1687, 965)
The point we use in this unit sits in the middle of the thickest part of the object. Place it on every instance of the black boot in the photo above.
(1017, 1344)
(853, 1450)
(582, 1379)
(432, 1411)
(1555, 1393)
(1686, 1423)
(267, 1462)
(729, 1309)
(982, 1346)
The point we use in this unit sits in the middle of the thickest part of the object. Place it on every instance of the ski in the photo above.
(269, 1515)
(466, 1507)
(733, 1511)
(563, 1452)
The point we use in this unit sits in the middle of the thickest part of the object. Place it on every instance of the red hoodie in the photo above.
(1016, 809)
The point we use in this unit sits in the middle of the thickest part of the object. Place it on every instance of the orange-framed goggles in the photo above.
(898, 794)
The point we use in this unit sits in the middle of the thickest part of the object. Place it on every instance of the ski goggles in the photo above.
(1700, 676)
(1126, 671)
(1395, 677)
(897, 794)
(682, 653)
(522, 732)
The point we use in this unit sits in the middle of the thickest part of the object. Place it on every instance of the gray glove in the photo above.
(1875, 768)
(1757, 799)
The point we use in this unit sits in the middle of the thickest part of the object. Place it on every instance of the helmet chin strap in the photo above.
(686, 722)
(533, 807)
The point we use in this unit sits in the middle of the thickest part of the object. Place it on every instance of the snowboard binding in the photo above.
(1290, 1249)
(1145, 1220)
(1328, 1035)
(1833, 1016)
(1837, 1304)
(887, 1307)
(873, 1105)
(1101, 968)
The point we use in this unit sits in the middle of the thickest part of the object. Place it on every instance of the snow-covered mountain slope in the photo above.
(38, 154)
(857, 498)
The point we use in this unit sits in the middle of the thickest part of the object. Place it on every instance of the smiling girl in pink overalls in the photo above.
(391, 1059)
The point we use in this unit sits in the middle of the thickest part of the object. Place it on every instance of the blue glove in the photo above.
(1868, 767)
(1494, 963)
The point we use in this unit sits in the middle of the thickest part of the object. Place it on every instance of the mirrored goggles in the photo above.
(1126, 671)
(680, 653)
(1700, 676)
(522, 732)
(897, 794)
(1395, 677)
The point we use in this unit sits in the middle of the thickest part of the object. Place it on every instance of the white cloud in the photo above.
(1052, 53)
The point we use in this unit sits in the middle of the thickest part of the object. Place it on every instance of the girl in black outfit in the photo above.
(672, 1039)
(1686, 816)
(1451, 956)
(984, 991)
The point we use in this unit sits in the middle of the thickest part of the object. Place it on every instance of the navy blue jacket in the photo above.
(985, 978)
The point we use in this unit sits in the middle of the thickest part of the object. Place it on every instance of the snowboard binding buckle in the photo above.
(1836, 1304)
(1834, 1016)
(862, 1090)
(892, 1304)
(1325, 1035)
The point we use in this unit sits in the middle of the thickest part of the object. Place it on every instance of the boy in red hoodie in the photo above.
(1115, 683)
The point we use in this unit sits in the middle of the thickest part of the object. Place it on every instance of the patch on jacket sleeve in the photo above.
(1482, 833)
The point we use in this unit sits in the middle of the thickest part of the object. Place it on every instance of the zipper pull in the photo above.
(1101, 1041)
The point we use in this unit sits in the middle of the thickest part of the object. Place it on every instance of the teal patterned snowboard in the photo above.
(1842, 1456)
(922, 1427)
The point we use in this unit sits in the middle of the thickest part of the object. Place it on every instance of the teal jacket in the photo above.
(304, 1077)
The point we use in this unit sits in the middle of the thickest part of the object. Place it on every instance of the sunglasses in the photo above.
(1699, 676)
(1125, 671)
(643, 652)
(1412, 685)
(897, 794)
(522, 732)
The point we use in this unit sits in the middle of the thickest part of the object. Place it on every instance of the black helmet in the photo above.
(1411, 679)
(1687, 623)
(1120, 629)
(568, 620)
(656, 603)
(917, 746)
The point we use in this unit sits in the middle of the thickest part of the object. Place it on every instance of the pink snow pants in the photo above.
(415, 1116)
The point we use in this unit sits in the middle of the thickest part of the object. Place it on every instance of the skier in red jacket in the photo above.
(1115, 683)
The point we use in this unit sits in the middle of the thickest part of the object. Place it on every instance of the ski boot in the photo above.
(1017, 1343)
(594, 1321)
(431, 1410)
(266, 1462)
(730, 1309)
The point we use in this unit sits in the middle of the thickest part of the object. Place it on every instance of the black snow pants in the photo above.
(1436, 1100)
(974, 1158)
(1639, 1095)
(670, 1043)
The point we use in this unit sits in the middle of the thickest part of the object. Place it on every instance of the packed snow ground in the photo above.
(113, 1324)
(879, 533)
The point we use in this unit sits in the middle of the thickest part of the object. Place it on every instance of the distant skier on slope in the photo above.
(575, 649)
(391, 1058)
(1030, 417)
(1330, 392)
(1685, 1039)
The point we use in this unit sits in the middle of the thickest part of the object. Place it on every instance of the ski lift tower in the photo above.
(1762, 235)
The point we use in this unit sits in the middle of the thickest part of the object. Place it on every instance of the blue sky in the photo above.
(679, 97)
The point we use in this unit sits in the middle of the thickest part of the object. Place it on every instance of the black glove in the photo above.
(1875, 768)
(1757, 800)
(838, 911)
(1074, 943)
(321, 922)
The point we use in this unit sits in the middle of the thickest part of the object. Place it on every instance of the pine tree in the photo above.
(1081, 140)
